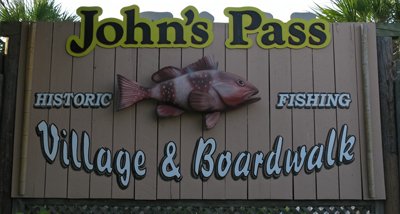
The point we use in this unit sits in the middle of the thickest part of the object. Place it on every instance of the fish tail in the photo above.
(130, 92)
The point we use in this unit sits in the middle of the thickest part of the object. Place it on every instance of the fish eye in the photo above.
(240, 82)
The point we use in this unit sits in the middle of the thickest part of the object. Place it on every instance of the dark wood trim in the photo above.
(7, 114)
(388, 30)
(388, 118)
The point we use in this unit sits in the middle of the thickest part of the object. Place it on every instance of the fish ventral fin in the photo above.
(201, 101)
(166, 73)
(168, 111)
(211, 119)
(130, 92)
(205, 63)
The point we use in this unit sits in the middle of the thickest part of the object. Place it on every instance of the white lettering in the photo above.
(122, 167)
(76, 100)
(313, 100)
(203, 163)
(51, 140)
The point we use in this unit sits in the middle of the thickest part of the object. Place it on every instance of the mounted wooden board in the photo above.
(303, 140)
(324, 79)
(125, 121)
(60, 81)
(146, 137)
(258, 73)
(81, 119)
(214, 188)
(191, 129)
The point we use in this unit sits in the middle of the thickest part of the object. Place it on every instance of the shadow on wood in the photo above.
(387, 103)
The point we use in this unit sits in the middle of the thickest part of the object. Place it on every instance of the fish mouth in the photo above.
(252, 98)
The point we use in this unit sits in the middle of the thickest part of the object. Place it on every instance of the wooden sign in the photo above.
(304, 139)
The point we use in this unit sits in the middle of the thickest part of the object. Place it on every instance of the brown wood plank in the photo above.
(40, 83)
(325, 119)
(81, 119)
(258, 117)
(9, 77)
(388, 117)
(214, 188)
(168, 130)
(346, 81)
(102, 120)
(375, 109)
(146, 129)
(376, 116)
(125, 120)
(362, 128)
(303, 120)
(60, 82)
(236, 125)
(280, 81)
(191, 131)
(19, 108)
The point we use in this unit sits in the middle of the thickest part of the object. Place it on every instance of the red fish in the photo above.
(198, 87)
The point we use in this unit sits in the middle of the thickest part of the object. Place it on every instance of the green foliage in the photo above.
(380, 11)
(33, 11)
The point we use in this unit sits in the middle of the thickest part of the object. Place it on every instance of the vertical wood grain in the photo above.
(81, 120)
(23, 52)
(281, 119)
(325, 119)
(336, 68)
(125, 120)
(191, 131)
(388, 117)
(60, 82)
(236, 125)
(168, 130)
(360, 99)
(214, 188)
(258, 117)
(375, 110)
(8, 82)
(303, 120)
(346, 81)
(35, 183)
(146, 126)
(102, 120)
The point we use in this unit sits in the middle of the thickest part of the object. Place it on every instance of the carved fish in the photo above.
(198, 87)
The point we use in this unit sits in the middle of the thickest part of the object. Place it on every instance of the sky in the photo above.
(280, 9)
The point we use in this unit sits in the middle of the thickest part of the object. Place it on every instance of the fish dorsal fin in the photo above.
(201, 101)
(205, 63)
(166, 73)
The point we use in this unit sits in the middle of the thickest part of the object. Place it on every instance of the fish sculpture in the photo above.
(199, 87)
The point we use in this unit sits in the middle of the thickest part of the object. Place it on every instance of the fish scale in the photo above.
(167, 91)
(200, 80)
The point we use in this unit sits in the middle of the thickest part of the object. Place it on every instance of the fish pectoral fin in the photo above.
(201, 101)
(205, 63)
(166, 73)
(211, 119)
(168, 111)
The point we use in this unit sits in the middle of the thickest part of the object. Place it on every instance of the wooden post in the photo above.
(397, 97)
(7, 114)
(388, 117)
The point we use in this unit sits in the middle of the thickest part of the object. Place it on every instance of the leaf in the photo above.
(33, 11)
(386, 11)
